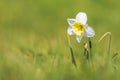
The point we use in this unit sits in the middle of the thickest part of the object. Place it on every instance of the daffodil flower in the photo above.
(79, 27)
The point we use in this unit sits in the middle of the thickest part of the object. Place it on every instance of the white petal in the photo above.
(81, 17)
(89, 32)
(71, 21)
(78, 38)
(70, 31)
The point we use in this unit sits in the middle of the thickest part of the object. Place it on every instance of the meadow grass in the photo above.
(34, 46)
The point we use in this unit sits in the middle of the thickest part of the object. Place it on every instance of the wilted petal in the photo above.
(71, 21)
(78, 38)
(89, 32)
(81, 17)
(70, 31)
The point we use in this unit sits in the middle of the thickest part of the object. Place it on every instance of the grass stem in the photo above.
(109, 44)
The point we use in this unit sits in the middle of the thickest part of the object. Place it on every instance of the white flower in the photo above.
(79, 27)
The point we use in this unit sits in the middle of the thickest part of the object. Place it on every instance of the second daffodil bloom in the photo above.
(79, 27)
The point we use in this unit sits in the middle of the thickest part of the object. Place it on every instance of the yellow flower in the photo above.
(79, 27)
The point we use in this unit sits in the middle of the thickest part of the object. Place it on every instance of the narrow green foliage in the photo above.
(114, 55)
(109, 45)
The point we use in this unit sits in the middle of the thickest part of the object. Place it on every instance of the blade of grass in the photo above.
(109, 45)
(114, 55)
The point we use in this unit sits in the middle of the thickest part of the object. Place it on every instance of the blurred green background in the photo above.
(38, 27)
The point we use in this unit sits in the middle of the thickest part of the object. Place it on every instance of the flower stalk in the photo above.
(71, 50)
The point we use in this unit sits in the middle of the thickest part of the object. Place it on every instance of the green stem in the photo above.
(90, 46)
(72, 56)
(71, 51)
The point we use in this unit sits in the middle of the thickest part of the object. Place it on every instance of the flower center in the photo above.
(78, 28)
